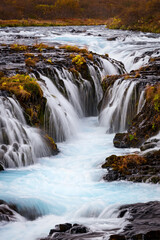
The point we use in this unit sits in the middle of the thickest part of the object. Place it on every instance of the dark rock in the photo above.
(4, 148)
(144, 222)
(66, 231)
(121, 140)
(78, 229)
(111, 39)
(7, 214)
(134, 167)
(63, 227)
(1, 168)
(147, 146)
(117, 237)
(16, 146)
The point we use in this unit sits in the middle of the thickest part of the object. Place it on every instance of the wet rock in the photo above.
(111, 39)
(136, 168)
(4, 148)
(15, 146)
(1, 168)
(78, 229)
(61, 228)
(121, 140)
(7, 214)
(1, 154)
(144, 222)
(117, 237)
(144, 124)
(66, 231)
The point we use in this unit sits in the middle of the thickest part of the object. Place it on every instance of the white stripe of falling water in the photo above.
(62, 113)
(71, 88)
(116, 95)
(141, 101)
(125, 105)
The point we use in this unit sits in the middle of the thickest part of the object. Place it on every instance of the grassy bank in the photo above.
(144, 25)
(56, 22)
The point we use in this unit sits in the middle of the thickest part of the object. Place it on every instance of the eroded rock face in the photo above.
(147, 122)
(144, 222)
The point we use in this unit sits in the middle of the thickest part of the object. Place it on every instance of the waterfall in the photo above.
(119, 105)
(72, 96)
(141, 101)
(20, 144)
(61, 119)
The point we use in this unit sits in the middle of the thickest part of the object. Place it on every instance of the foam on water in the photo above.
(69, 187)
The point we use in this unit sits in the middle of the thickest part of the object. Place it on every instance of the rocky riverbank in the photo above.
(143, 223)
(144, 166)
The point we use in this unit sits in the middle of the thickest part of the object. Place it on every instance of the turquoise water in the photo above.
(69, 187)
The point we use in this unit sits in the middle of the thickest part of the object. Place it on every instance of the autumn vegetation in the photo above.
(125, 14)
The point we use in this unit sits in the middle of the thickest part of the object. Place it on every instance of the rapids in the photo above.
(134, 49)
(69, 187)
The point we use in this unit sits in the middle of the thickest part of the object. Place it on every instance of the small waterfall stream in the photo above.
(119, 106)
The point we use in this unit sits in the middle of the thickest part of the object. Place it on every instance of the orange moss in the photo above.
(18, 47)
(123, 164)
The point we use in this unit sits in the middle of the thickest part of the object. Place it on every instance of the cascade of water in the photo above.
(61, 119)
(69, 96)
(120, 105)
(17, 141)
(70, 88)
(141, 101)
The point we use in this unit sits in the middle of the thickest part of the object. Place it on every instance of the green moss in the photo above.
(131, 137)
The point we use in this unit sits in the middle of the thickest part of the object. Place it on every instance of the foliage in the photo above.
(127, 14)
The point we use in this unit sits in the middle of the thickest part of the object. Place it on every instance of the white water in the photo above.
(69, 187)
(134, 49)
(17, 140)
(115, 114)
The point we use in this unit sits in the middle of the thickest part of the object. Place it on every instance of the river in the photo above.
(69, 187)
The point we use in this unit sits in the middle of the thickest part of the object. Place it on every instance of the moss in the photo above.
(153, 96)
(41, 46)
(124, 164)
(90, 56)
(1, 74)
(18, 47)
(70, 48)
(29, 94)
(30, 62)
(22, 86)
(78, 60)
